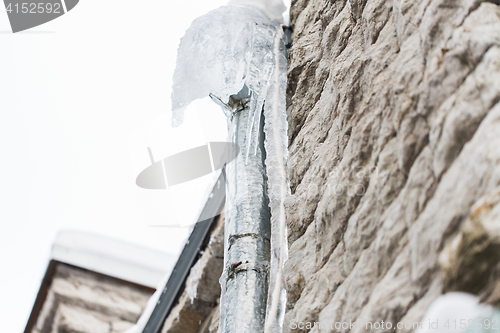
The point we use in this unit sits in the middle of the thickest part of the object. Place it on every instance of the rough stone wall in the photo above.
(81, 301)
(394, 157)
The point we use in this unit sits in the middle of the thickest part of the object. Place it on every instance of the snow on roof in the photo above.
(112, 257)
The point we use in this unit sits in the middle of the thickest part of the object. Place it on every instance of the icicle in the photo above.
(220, 53)
(276, 144)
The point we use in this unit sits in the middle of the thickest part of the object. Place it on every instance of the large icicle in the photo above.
(276, 144)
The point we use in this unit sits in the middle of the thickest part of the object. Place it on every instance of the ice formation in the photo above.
(220, 53)
(224, 52)
(272, 8)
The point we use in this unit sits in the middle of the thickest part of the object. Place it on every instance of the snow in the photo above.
(112, 257)
(448, 311)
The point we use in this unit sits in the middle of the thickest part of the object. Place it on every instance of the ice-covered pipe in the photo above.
(247, 234)
(236, 54)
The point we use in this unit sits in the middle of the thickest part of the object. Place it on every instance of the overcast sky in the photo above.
(81, 99)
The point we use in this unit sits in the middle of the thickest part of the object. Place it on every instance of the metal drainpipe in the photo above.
(247, 235)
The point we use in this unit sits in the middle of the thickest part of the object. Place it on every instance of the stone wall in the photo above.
(394, 158)
(81, 301)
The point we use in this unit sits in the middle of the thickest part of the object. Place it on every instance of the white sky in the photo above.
(81, 98)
